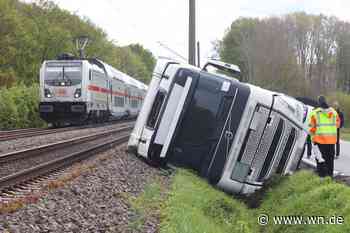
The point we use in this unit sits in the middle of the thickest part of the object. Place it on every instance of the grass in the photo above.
(345, 134)
(146, 205)
(306, 194)
(194, 206)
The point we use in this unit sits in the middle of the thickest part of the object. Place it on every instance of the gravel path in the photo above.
(23, 143)
(96, 201)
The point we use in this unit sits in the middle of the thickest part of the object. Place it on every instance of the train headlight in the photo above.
(77, 93)
(48, 93)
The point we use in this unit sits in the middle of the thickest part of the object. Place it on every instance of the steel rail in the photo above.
(35, 151)
(51, 166)
(31, 132)
(14, 131)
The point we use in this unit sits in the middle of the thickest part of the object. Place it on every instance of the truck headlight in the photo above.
(77, 93)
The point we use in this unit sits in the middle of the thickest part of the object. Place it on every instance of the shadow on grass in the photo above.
(255, 199)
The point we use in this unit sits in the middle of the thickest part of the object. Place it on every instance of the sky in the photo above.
(165, 22)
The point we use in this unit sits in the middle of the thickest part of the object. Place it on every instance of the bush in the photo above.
(19, 107)
(344, 103)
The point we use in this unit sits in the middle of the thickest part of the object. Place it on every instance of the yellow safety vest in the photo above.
(323, 126)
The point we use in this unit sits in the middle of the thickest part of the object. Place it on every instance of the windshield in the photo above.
(63, 74)
(222, 71)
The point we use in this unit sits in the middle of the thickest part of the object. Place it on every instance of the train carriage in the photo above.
(76, 91)
(236, 135)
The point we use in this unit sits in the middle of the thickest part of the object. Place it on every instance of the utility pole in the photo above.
(192, 34)
(198, 55)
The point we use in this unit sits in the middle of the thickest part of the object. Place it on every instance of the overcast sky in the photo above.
(147, 22)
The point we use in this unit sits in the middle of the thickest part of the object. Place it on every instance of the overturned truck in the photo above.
(234, 134)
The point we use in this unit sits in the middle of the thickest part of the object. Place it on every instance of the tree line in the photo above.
(32, 33)
(298, 53)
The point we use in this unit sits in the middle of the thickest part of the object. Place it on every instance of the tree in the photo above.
(32, 33)
(237, 46)
(9, 23)
(130, 63)
(146, 56)
(296, 53)
(343, 57)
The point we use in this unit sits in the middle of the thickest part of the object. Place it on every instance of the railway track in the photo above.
(32, 132)
(22, 167)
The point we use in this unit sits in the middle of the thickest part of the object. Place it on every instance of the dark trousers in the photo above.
(309, 146)
(328, 151)
(337, 146)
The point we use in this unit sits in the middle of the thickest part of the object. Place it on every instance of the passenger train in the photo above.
(75, 91)
(234, 134)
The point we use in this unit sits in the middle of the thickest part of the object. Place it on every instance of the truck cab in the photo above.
(234, 134)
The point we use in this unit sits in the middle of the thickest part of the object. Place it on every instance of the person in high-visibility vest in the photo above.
(324, 122)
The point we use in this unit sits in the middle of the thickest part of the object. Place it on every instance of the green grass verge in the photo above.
(194, 206)
(146, 205)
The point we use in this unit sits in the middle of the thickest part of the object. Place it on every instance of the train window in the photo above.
(98, 75)
(127, 100)
(68, 73)
(134, 103)
(119, 101)
(152, 118)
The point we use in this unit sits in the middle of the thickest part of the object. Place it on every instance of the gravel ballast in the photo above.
(40, 158)
(24, 143)
(96, 201)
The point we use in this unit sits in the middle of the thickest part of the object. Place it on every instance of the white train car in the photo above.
(75, 91)
(234, 134)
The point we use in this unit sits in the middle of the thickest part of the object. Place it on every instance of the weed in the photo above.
(18, 203)
(146, 205)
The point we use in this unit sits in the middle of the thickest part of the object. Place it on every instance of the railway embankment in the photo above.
(117, 192)
(98, 196)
